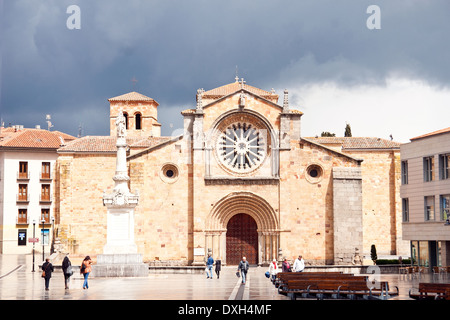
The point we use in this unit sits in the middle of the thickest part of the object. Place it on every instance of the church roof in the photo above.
(131, 96)
(107, 144)
(236, 86)
(33, 138)
(348, 143)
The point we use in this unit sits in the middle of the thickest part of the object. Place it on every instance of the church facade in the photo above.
(240, 181)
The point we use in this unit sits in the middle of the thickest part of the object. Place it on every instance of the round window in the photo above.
(314, 173)
(169, 173)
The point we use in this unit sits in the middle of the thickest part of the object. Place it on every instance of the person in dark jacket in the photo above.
(243, 268)
(47, 267)
(218, 267)
(67, 270)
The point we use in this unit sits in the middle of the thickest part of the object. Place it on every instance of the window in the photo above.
(45, 173)
(45, 192)
(444, 169)
(22, 237)
(23, 170)
(314, 173)
(445, 207)
(405, 209)
(23, 192)
(45, 215)
(242, 147)
(429, 208)
(169, 173)
(428, 169)
(22, 217)
(404, 172)
(138, 121)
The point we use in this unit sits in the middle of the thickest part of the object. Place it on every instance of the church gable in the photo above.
(237, 96)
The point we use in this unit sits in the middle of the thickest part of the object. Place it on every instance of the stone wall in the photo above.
(347, 203)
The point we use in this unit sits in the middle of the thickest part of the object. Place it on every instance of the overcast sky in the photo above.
(393, 80)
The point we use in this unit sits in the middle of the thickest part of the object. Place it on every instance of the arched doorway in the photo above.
(241, 239)
(225, 222)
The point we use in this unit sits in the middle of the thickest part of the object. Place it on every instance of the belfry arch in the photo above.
(258, 209)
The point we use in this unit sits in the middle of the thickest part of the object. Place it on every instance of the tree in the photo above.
(348, 131)
(373, 254)
(327, 134)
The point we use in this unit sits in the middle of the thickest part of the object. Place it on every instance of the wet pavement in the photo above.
(18, 282)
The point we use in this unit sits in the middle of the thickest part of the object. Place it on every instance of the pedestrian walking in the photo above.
(285, 266)
(243, 268)
(218, 267)
(273, 269)
(209, 265)
(47, 269)
(67, 270)
(85, 269)
(299, 264)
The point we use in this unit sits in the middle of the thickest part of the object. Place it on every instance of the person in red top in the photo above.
(85, 270)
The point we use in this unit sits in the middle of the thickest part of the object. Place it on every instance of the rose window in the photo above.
(241, 147)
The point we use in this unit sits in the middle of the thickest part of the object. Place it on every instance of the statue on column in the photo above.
(120, 125)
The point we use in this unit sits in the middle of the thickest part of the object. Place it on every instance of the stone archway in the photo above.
(258, 209)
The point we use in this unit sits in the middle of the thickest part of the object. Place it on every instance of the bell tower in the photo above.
(140, 112)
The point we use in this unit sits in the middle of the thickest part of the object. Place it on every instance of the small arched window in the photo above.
(138, 120)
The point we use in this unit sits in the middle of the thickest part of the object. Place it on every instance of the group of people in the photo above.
(299, 266)
(242, 269)
(85, 270)
(209, 265)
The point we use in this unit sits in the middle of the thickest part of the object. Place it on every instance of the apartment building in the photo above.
(27, 184)
(425, 193)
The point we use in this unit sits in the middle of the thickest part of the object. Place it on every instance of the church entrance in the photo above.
(241, 239)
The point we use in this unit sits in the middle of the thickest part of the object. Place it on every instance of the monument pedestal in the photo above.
(120, 265)
(120, 257)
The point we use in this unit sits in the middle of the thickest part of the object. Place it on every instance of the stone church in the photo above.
(241, 180)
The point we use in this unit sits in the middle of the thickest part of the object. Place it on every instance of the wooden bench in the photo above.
(281, 277)
(431, 291)
(339, 288)
(284, 280)
(368, 291)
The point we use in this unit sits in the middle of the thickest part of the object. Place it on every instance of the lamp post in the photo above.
(43, 255)
(53, 235)
(34, 227)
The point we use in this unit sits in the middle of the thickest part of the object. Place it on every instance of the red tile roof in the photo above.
(33, 138)
(100, 144)
(236, 86)
(446, 130)
(358, 142)
(131, 96)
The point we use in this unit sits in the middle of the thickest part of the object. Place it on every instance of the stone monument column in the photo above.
(120, 256)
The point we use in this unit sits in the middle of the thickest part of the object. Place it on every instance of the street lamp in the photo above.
(34, 227)
(53, 236)
(43, 226)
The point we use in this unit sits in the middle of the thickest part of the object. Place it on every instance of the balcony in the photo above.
(22, 220)
(45, 198)
(23, 198)
(21, 176)
(47, 176)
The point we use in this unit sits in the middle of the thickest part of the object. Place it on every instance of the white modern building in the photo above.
(27, 184)
(425, 193)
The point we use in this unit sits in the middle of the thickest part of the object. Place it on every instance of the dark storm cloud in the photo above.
(175, 47)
